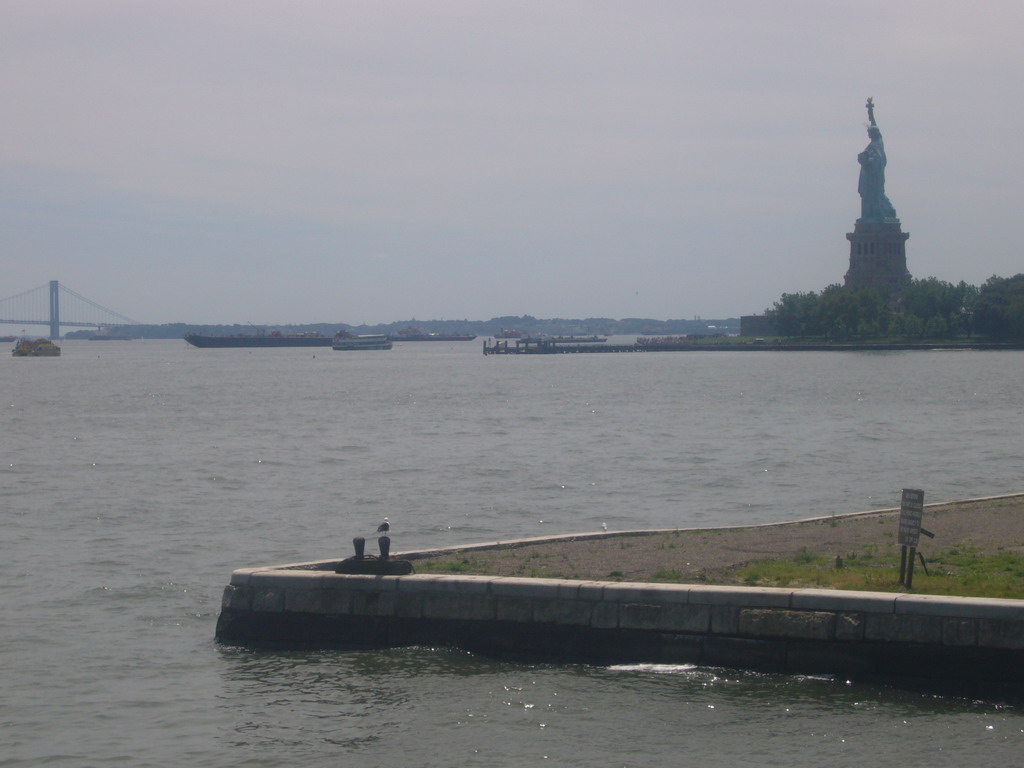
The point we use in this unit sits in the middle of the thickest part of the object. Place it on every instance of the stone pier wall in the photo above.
(790, 630)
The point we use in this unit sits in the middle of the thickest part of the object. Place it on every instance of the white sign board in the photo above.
(911, 509)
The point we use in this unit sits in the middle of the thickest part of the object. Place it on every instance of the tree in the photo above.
(999, 307)
(931, 298)
(847, 312)
(795, 314)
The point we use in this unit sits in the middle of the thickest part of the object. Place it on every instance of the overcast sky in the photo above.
(330, 161)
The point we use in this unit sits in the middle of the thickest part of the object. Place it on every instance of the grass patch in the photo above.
(805, 557)
(533, 565)
(955, 572)
(462, 565)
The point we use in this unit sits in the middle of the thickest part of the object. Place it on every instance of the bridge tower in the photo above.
(54, 310)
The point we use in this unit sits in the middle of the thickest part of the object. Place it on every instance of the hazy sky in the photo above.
(318, 161)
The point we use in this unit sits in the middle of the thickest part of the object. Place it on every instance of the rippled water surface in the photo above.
(136, 475)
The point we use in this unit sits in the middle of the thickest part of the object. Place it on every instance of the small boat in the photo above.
(508, 333)
(35, 348)
(343, 340)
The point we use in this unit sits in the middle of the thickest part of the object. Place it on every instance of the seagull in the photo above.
(384, 527)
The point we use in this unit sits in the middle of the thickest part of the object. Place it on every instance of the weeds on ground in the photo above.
(953, 572)
(463, 565)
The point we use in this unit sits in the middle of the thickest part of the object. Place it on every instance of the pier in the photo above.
(546, 346)
(969, 644)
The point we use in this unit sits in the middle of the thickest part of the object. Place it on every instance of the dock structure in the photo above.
(545, 346)
(969, 644)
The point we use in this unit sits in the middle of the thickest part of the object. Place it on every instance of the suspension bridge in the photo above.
(56, 305)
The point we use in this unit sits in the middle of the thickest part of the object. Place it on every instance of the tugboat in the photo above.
(35, 348)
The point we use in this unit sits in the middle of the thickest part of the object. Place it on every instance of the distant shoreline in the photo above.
(539, 347)
(938, 346)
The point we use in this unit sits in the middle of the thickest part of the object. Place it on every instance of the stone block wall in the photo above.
(793, 630)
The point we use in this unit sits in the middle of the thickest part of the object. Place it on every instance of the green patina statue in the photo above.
(874, 205)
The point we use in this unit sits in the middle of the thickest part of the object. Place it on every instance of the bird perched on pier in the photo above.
(384, 527)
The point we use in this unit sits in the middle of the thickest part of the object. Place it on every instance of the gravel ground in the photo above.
(986, 525)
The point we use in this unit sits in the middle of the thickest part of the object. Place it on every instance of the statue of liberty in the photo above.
(874, 205)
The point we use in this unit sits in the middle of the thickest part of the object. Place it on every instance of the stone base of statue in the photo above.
(878, 257)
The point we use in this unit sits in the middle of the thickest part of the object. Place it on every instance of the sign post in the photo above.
(911, 510)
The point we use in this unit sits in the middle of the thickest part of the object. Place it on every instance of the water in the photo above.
(134, 476)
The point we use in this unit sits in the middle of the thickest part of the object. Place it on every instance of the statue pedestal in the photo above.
(878, 257)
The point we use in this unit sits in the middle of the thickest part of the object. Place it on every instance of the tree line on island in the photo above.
(927, 309)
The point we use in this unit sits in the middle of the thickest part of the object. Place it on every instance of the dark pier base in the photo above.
(985, 673)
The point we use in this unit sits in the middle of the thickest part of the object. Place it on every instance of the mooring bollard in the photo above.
(370, 564)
